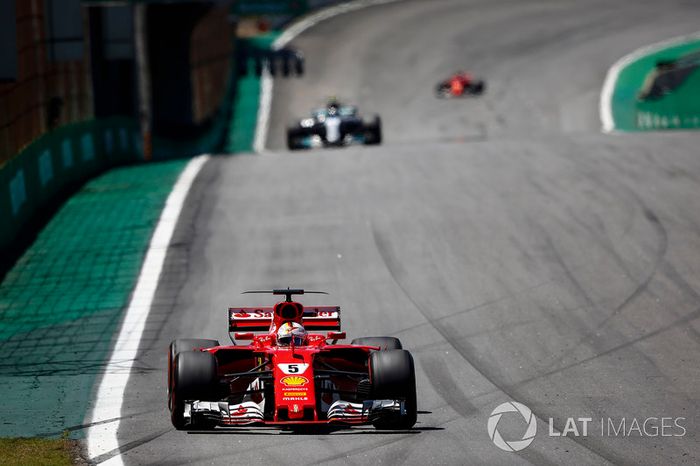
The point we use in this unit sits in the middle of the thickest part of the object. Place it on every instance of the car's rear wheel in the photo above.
(384, 343)
(194, 378)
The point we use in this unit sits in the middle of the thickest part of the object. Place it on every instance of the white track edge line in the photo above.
(605, 106)
(296, 28)
(102, 438)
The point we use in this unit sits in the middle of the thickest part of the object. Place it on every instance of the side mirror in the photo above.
(335, 336)
(244, 335)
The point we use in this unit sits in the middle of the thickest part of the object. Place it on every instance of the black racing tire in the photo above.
(393, 377)
(195, 377)
(384, 343)
(442, 91)
(293, 137)
(180, 345)
(299, 65)
(478, 87)
(373, 132)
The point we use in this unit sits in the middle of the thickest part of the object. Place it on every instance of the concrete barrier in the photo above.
(58, 159)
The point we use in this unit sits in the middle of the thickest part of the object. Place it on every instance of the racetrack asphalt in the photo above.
(516, 251)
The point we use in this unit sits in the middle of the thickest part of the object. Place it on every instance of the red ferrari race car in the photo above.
(288, 376)
(460, 84)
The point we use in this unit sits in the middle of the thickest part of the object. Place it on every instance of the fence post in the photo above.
(143, 76)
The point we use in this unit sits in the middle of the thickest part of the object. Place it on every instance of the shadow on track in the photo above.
(315, 431)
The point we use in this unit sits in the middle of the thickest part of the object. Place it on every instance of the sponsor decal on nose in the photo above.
(294, 381)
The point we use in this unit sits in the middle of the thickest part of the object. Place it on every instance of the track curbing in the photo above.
(102, 437)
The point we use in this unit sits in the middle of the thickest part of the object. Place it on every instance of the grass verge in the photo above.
(39, 451)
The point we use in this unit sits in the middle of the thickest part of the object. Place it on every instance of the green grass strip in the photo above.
(35, 452)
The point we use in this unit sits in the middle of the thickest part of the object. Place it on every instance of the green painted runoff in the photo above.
(61, 303)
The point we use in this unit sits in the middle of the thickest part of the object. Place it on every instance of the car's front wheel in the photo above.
(194, 378)
(180, 345)
(393, 377)
(294, 138)
(373, 131)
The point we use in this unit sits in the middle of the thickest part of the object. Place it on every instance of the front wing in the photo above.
(315, 141)
(340, 412)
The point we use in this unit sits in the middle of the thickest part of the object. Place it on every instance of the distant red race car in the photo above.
(288, 377)
(460, 84)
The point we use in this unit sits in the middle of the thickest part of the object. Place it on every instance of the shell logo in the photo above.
(294, 381)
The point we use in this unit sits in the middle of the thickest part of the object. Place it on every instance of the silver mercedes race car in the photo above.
(334, 125)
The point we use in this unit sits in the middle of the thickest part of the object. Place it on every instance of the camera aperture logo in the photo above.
(529, 419)
(623, 427)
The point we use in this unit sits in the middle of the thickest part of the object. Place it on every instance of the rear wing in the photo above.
(259, 319)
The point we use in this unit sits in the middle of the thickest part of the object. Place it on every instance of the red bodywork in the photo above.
(459, 82)
(291, 369)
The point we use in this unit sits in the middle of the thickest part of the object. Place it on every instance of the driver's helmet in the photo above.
(291, 333)
(333, 106)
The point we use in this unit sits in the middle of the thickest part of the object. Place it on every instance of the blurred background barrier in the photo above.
(250, 62)
(57, 160)
(656, 90)
(69, 95)
(89, 85)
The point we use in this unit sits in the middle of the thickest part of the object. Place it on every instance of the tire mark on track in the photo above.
(659, 264)
(130, 446)
(394, 268)
(570, 277)
(638, 290)
(91, 424)
(482, 305)
(663, 265)
(485, 332)
(677, 279)
(444, 384)
(661, 249)
(346, 455)
(695, 314)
